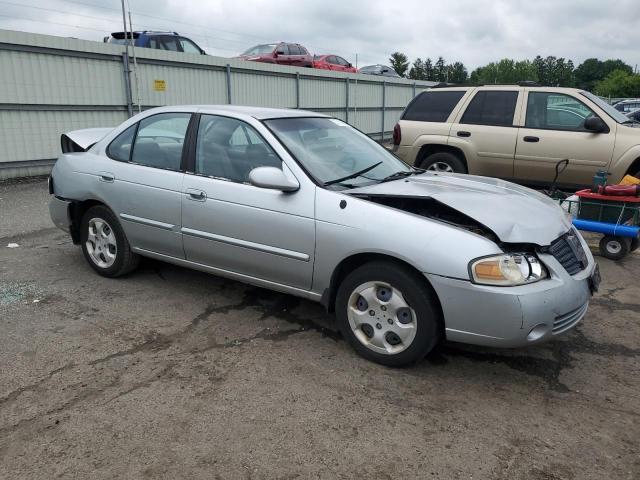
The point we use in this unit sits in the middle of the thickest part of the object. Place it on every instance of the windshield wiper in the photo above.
(402, 174)
(353, 175)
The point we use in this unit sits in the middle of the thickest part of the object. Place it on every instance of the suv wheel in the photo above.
(104, 243)
(388, 314)
(443, 162)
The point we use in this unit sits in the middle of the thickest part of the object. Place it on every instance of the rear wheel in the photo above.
(443, 162)
(614, 248)
(104, 243)
(388, 314)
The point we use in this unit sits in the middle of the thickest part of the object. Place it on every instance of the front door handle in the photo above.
(464, 134)
(197, 195)
(531, 139)
(106, 177)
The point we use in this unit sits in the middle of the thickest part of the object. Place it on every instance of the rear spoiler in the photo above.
(82, 140)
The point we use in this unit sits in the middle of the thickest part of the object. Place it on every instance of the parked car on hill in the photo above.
(305, 204)
(170, 41)
(379, 70)
(333, 62)
(634, 115)
(281, 53)
(518, 132)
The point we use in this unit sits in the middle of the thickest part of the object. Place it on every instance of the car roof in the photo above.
(259, 113)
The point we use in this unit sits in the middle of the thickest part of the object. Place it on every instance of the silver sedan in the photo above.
(305, 204)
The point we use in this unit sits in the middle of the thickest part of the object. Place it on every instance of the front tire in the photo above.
(104, 244)
(443, 162)
(388, 314)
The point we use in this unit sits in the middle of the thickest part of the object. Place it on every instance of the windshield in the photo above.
(331, 150)
(612, 112)
(261, 49)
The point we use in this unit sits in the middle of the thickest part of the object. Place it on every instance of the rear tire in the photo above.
(388, 313)
(104, 244)
(614, 248)
(443, 162)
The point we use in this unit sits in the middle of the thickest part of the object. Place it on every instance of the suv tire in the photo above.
(443, 162)
(388, 313)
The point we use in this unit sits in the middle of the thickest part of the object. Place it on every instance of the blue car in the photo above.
(171, 41)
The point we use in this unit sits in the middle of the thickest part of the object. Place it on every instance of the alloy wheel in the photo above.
(101, 243)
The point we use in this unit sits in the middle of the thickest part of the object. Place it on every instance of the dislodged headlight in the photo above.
(507, 270)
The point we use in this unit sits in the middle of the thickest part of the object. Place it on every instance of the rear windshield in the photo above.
(261, 49)
(432, 106)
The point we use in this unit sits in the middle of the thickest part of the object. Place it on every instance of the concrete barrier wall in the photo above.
(50, 85)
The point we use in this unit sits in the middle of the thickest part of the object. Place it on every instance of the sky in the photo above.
(474, 32)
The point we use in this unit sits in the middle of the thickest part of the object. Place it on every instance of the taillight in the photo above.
(397, 134)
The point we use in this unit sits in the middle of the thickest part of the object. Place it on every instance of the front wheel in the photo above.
(388, 314)
(104, 243)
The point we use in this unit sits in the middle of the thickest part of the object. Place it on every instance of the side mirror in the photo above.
(272, 178)
(595, 124)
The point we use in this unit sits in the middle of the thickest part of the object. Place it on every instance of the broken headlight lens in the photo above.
(507, 270)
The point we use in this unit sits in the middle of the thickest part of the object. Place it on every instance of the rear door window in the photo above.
(491, 107)
(294, 50)
(433, 106)
(160, 140)
(170, 43)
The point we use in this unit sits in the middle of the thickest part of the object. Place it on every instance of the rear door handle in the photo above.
(106, 177)
(197, 195)
(531, 139)
(464, 134)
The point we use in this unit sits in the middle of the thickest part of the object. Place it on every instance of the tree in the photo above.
(592, 70)
(429, 74)
(440, 70)
(399, 62)
(619, 83)
(457, 73)
(417, 70)
(506, 71)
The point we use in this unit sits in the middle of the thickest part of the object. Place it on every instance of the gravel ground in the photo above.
(171, 373)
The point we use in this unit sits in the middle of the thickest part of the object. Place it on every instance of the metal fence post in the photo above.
(127, 83)
(297, 89)
(384, 101)
(228, 70)
(346, 114)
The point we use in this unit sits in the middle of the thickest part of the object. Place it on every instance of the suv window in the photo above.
(491, 107)
(294, 50)
(120, 148)
(556, 111)
(169, 43)
(160, 139)
(282, 49)
(432, 106)
(189, 47)
(229, 149)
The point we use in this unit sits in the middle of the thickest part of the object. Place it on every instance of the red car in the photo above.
(333, 62)
(281, 53)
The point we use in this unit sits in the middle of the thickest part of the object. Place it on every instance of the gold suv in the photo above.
(518, 132)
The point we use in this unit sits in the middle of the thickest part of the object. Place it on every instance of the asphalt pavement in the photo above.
(172, 373)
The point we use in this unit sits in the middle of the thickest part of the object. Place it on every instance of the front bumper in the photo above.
(514, 316)
(59, 211)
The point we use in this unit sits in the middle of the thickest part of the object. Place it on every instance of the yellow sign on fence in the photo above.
(159, 85)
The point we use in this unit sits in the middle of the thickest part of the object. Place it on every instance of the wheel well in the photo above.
(429, 149)
(634, 168)
(351, 263)
(77, 210)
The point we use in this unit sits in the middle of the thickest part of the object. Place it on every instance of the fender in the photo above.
(620, 166)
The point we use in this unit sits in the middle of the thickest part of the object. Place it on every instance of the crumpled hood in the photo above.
(514, 213)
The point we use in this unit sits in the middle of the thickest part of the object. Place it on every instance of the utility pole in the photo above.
(127, 72)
